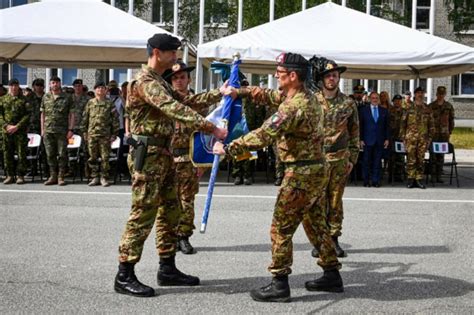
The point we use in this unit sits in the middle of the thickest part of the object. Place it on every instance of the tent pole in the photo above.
(342, 80)
(429, 82)
(111, 74)
(272, 16)
(47, 78)
(303, 5)
(60, 74)
(175, 17)
(130, 11)
(199, 68)
(10, 71)
(368, 7)
(240, 16)
(413, 26)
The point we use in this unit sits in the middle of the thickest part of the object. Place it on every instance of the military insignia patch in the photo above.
(176, 67)
(276, 120)
(329, 66)
(280, 58)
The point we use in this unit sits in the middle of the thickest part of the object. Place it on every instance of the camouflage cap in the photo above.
(441, 90)
(164, 42)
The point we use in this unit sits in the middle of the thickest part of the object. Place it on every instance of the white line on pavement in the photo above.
(229, 196)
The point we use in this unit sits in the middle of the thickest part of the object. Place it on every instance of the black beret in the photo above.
(164, 42)
(179, 66)
(77, 81)
(13, 82)
(290, 60)
(419, 89)
(98, 84)
(38, 82)
(397, 97)
(55, 78)
(358, 89)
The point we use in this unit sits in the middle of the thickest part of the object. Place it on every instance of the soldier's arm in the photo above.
(431, 126)
(259, 96)
(71, 116)
(278, 123)
(451, 119)
(155, 95)
(114, 120)
(25, 119)
(85, 118)
(198, 102)
(354, 136)
(403, 123)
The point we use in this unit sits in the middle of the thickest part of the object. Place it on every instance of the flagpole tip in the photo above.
(236, 55)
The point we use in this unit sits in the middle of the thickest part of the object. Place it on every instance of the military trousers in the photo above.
(99, 147)
(55, 145)
(187, 186)
(416, 149)
(154, 203)
(301, 199)
(15, 143)
(241, 169)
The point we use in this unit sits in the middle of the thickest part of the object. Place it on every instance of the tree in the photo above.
(460, 14)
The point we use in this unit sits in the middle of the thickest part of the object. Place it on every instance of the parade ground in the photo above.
(409, 251)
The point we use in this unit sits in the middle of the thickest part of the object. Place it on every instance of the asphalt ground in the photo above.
(409, 251)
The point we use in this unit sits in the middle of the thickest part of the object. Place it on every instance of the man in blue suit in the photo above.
(374, 138)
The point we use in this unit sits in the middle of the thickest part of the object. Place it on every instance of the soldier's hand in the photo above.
(11, 129)
(227, 90)
(69, 134)
(220, 133)
(112, 139)
(385, 144)
(349, 167)
(218, 148)
(362, 144)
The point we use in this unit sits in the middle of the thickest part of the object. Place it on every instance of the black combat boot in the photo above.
(339, 251)
(185, 246)
(315, 252)
(169, 275)
(238, 180)
(127, 283)
(331, 281)
(277, 291)
(278, 181)
(411, 183)
(419, 184)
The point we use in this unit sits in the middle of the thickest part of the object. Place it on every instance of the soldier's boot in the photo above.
(238, 180)
(94, 182)
(411, 183)
(52, 180)
(277, 291)
(339, 251)
(20, 180)
(9, 180)
(315, 252)
(61, 181)
(278, 181)
(185, 246)
(104, 182)
(247, 181)
(419, 184)
(169, 275)
(126, 282)
(331, 281)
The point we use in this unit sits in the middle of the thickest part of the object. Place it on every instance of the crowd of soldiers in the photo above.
(314, 129)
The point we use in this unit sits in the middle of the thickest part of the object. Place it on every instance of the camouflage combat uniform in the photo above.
(398, 160)
(34, 104)
(187, 181)
(56, 110)
(297, 128)
(416, 129)
(341, 145)
(100, 123)
(152, 105)
(443, 116)
(254, 115)
(14, 111)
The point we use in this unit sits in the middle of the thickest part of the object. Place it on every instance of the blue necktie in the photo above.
(376, 113)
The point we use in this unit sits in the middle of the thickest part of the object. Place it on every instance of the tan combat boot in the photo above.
(52, 180)
(20, 180)
(104, 182)
(94, 182)
(8, 180)
(61, 181)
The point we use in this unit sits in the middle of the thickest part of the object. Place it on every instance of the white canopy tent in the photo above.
(74, 33)
(371, 47)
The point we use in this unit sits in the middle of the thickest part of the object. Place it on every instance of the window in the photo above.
(4, 78)
(162, 11)
(120, 75)
(6, 3)
(69, 75)
(423, 14)
(20, 73)
(373, 85)
(463, 84)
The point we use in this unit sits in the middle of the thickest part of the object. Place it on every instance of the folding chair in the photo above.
(115, 156)
(398, 148)
(74, 154)
(33, 155)
(453, 164)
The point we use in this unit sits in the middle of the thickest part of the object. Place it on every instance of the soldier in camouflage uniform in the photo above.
(3, 92)
(15, 118)
(297, 128)
(254, 116)
(443, 115)
(34, 102)
(100, 127)
(407, 102)
(57, 121)
(187, 176)
(396, 112)
(153, 106)
(417, 130)
(341, 143)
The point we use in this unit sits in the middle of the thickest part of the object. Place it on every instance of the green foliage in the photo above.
(460, 14)
(463, 138)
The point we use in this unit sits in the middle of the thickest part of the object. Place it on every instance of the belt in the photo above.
(152, 141)
(180, 151)
(304, 162)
